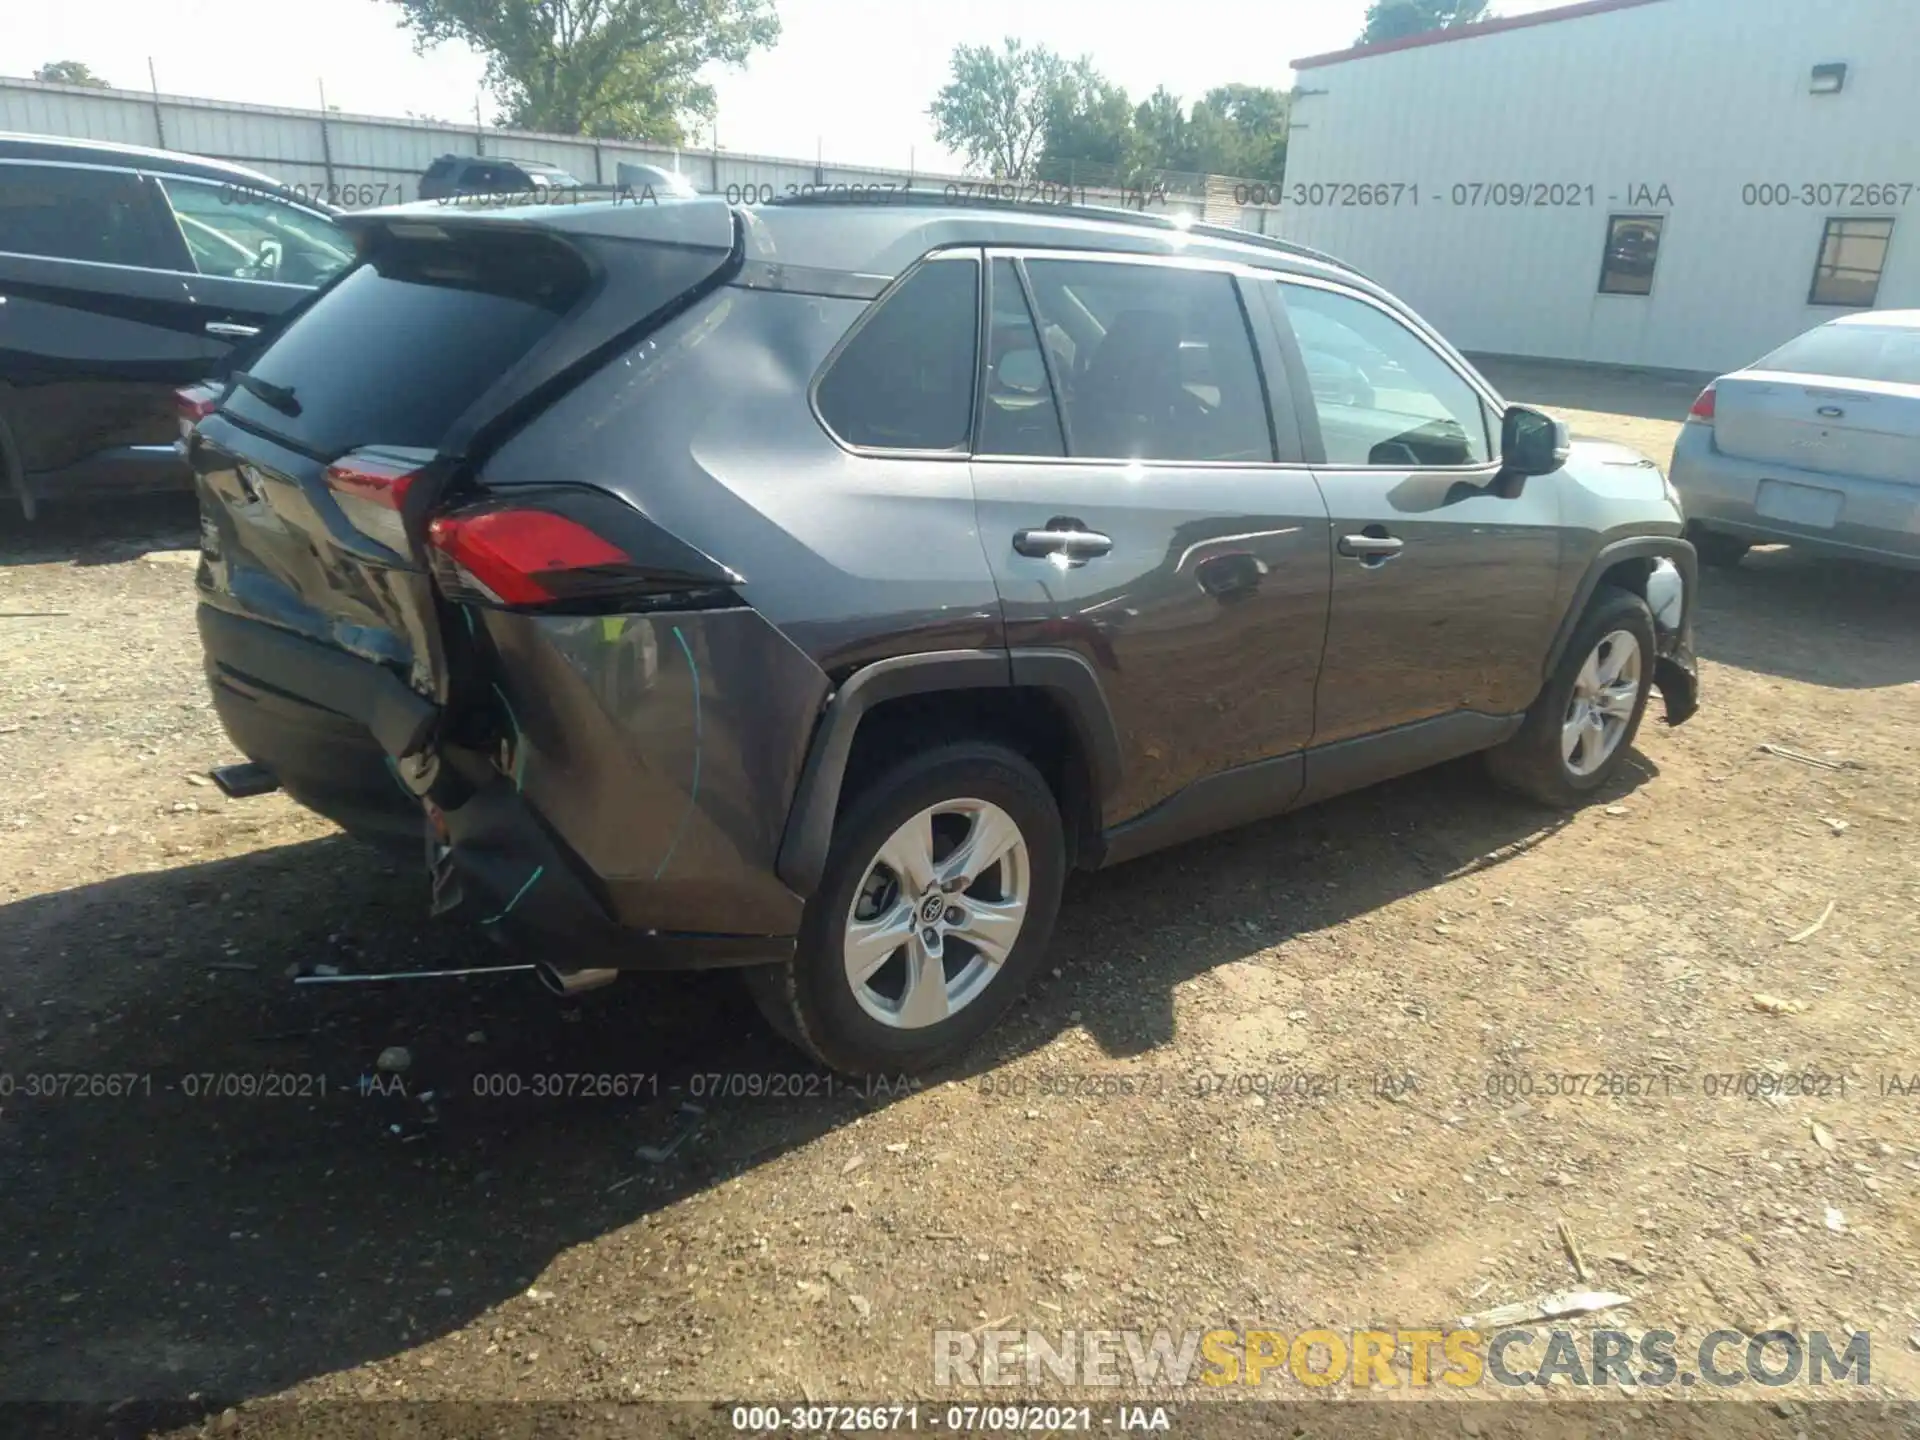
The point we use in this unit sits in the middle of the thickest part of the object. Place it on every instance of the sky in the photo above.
(849, 80)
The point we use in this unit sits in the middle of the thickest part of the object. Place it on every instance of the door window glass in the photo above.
(1384, 396)
(68, 212)
(904, 381)
(1018, 415)
(1153, 362)
(246, 235)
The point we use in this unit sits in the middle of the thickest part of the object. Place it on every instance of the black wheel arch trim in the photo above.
(1068, 677)
(1637, 547)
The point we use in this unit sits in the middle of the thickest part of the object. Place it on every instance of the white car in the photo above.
(1816, 445)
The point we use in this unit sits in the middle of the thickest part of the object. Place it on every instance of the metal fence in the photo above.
(361, 160)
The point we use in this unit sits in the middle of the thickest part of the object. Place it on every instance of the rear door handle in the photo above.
(227, 330)
(1074, 544)
(1371, 547)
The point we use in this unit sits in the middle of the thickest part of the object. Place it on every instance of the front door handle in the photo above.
(1371, 547)
(1074, 541)
(227, 330)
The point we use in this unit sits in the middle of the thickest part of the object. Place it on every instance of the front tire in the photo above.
(937, 903)
(1577, 733)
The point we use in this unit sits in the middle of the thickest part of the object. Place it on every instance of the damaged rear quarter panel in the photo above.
(665, 749)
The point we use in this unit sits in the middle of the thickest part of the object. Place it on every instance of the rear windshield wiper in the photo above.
(280, 397)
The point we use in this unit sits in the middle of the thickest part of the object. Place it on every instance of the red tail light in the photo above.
(194, 403)
(525, 557)
(1703, 407)
(370, 486)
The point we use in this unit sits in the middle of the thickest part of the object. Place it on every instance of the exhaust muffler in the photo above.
(572, 982)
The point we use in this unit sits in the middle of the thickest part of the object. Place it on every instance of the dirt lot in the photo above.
(207, 1249)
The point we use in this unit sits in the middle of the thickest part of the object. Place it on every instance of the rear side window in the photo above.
(410, 338)
(1017, 414)
(68, 212)
(1888, 353)
(1154, 362)
(904, 379)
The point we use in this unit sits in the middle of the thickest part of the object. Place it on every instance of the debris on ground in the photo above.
(1774, 1005)
(1814, 928)
(1557, 1306)
(394, 1059)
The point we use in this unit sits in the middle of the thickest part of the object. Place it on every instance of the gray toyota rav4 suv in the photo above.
(808, 587)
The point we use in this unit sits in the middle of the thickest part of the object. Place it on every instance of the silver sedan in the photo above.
(1816, 445)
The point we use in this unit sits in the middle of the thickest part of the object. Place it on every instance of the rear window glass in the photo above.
(1887, 353)
(410, 338)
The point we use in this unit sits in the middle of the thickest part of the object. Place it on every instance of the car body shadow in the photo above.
(1839, 623)
(214, 1232)
(99, 530)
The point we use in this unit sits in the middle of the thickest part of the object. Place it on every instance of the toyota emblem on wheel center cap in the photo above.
(932, 908)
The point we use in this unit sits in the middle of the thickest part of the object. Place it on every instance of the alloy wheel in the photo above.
(1602, 703)
(937, 913)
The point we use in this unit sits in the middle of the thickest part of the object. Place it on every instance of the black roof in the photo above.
(14, 146)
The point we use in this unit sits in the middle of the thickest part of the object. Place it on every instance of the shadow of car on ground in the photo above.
(186, 1239)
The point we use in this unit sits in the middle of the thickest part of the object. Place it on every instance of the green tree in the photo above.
(1164, 138)
(1397, 19)
(625, 69)
(1089, 129)
(70, 72)
(1242, 130)
(995, 106)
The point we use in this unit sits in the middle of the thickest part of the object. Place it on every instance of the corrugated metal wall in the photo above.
(1670, 108)
(368, 160)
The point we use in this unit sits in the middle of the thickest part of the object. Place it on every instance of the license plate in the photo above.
(1792, 504)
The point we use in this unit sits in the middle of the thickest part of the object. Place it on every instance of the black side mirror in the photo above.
(1532, 442)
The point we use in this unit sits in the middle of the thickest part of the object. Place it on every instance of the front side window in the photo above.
(1384, 396)
(1153, 362)
(1852, 255)
(904, 378)
(73, 212)
(1633, 246)
(241, 234)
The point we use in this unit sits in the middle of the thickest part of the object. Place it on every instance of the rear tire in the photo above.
(1578, 731)
(1716, 548)
(942, 955)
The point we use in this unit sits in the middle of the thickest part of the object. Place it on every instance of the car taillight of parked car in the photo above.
(1703, 407)
(192, 404)
(370, 485)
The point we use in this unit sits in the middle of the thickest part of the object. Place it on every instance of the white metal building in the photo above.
(1680, 184)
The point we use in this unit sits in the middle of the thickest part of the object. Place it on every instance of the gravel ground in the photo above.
(1427, 954)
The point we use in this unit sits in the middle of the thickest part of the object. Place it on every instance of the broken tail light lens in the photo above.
(370, 486)
(193, 403)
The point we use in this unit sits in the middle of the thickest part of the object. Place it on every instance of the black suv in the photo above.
(453, 175)
(809, 587)
(124, 274)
